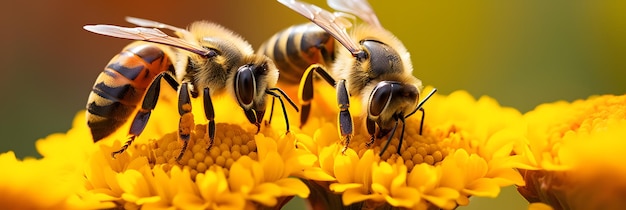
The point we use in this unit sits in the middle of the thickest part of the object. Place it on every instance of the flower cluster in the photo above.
(467, 147)
(242, 169)
(573, 153)
(462, 152)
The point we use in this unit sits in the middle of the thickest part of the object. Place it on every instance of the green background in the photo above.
(521, 52)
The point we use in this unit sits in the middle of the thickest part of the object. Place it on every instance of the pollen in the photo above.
(577, 148)
(416, 149)
(231, 143)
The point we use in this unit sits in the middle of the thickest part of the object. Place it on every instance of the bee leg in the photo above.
(282, 104)
(345, 119)
(346, 143)
(402, 133)
(286, 97)
(305, 93)
(371, 129)
(210, 115)
(382, 132)
(393, 131)
(269, 121)
(184, 109)
(422, 121)
(148, 104)
(252, 117)
(126, 145)
(420, 108)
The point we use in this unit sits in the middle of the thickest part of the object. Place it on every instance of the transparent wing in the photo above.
(334, 25)
(154, 24)
(360, 8)
(151, 24)
(147, 34)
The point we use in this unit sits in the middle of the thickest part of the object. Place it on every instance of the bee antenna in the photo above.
(421, 103)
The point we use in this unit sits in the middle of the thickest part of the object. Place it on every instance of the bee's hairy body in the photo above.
(298, 47)
(390, 62)
(368, 63)
(207, 59)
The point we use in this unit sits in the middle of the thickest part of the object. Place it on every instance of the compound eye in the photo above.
(245, 86)
(379, 99)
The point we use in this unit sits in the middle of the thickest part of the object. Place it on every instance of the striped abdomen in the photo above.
(296, 48)
(119, 89)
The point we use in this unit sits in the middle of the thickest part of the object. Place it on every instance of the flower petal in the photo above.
(266, 194)
(292, 186)
(355, 195)
(483, 187)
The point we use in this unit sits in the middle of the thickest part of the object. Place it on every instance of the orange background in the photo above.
(522, 53)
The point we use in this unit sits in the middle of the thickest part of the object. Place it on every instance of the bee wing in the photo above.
(360, 8)
(334, 25)
(146, 34)
(154, 24)
(151, 24)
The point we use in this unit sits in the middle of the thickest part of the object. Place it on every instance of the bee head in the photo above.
(251, 83)
(383, 59)
(390, 99)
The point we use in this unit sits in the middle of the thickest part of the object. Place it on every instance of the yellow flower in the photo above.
(242, 170)
(574, 154)
(463, 152)
(37, 184)
(55, 181)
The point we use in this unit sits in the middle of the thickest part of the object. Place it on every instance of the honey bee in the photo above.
(369, 62)
(207, 59)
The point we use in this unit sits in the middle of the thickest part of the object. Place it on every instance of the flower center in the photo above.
(431, 147)
(231, 142)
(586, 117)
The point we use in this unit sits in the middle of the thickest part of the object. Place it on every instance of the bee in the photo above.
(369, 62)
(206, 60)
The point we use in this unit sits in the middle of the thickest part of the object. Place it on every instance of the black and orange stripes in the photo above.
(118, 90)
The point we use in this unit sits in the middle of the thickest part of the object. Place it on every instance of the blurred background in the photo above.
(520, 52)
